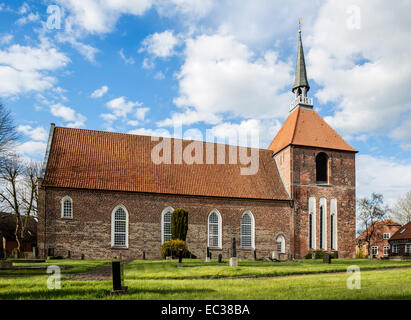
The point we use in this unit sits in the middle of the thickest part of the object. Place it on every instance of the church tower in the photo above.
(318, 170)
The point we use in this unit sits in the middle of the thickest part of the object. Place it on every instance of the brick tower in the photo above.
(318, 170)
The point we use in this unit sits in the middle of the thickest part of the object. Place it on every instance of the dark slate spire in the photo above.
(300, 72)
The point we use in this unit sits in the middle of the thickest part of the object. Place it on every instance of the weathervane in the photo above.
(299, 24)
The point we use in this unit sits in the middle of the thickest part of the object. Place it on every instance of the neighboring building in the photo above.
(400, 242)
(101, 194)
(7, 233)
(380, 247)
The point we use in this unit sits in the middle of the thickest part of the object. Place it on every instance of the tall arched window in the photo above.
(323, 223)
(311, 223)
(166, 224)
(280, 244)
(321, 162)
(214, 229)
(67, 207)
(119, 227)
(333, 224)
(247, 230)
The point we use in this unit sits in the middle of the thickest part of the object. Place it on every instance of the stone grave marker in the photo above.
(117, 267)
(180, 258)
(220, 258)
(326, 258)
(207, 259)
(233, 259)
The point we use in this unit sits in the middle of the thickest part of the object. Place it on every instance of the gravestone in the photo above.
(117, 267)
(68, 254)
(35, 252)
(144, 255)
(326, 258)
(211, 255)
(207, 259)
(233, 259)
(255, 255)
(50, 252)
(220, 258)
(180, 258)
(82, 256)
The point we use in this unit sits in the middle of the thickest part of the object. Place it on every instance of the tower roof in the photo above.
(305, 127)
(300, 72)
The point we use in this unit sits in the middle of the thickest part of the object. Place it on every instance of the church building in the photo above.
(102, 195)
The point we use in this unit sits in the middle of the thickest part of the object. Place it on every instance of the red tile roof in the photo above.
(100, 160)
(305, 127)
(403, 233)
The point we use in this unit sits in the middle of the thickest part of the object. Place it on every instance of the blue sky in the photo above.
(225, 66)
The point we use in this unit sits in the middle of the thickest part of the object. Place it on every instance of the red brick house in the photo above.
(383, 231)
(400, 242)
(101, 194)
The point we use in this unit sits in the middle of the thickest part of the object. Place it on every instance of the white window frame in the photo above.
(386, 250)
(395, 248)
(312, 211)
(112, 227)
(249, 213)
(334, 212)
(64, 199)
(323, 203)
(281, 239)
(385, 237)
(163, 213)
(219, 246)
(407, 248)
(372, 250)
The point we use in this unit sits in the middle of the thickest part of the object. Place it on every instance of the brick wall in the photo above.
(297, 164)
(89, 231)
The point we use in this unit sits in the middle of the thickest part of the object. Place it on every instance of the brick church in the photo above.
(101, 195)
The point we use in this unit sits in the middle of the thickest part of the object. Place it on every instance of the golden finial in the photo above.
(299, 24)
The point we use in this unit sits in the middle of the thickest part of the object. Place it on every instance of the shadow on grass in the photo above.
(80, 294)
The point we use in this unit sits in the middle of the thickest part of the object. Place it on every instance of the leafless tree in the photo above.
(370, 212)
(401, 211)
(8, 133)
(18, 193)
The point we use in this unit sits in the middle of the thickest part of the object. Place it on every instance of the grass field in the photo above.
(196, 280)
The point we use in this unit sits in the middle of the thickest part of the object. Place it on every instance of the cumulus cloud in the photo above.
(220, 75)
(367, 78)
(388, 176)
(160, 44)
(69, 115)
(122, 109)
(36, 134)
(98, 93)
(24, 68)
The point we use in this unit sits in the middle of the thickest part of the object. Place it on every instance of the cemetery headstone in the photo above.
(233, 259)
(35, 252)
(68, 254)
(180, 258)
(144, 255)
(82, 256)
(50, 252)
(207, 259)
(255, 255)
(117, 267)
(220, 258)
(326, 258)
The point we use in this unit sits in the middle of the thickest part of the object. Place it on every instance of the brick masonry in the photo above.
(89, 231)
(297, 167)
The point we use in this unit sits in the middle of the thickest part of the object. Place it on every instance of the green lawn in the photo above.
(163, 280)
(77, 266)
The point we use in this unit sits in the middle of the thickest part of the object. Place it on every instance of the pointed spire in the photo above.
(300, 73)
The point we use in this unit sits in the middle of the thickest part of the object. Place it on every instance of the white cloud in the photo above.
(125, 59)
(36, 134)
(221, 75)
(159, 75)
(98, 93)
(366, 77)
(160, 44)
(151, 132)
(68, 114)
(32, 149)
(189, 117)
(122, 109)
(5, 39)
(31, 17)
(388, 176)
(24, 68)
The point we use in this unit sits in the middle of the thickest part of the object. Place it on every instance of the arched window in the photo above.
(67, 207)
(280, 244)
(247, 230)
(323, 223)
(311, 223)
(333, 224)
(214, 229)
(321, 162)
(166, 224)
(119, 227)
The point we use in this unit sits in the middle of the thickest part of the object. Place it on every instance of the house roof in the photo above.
(305, 127)
(378, 225)
(403, 233)
(89, 159)
(8, 227)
